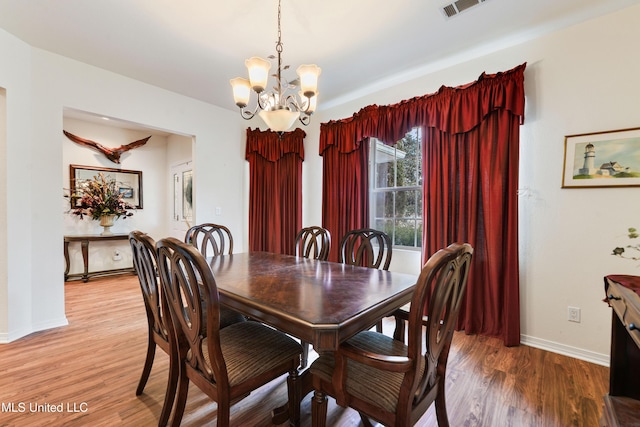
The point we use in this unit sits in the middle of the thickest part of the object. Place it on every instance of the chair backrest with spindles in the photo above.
(210, 239)
(313, 242)
(366, 247)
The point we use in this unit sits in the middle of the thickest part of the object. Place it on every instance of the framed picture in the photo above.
(129, 182)
(126, 192)
(602, 159)
(187, 195)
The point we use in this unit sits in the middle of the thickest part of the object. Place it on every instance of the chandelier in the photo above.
(279, 108)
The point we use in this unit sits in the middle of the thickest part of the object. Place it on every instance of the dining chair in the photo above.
(226, 364)
(390, 381)
(145, 263)
(210, 239)
(313, 242)
(366, 247)
(213, 240)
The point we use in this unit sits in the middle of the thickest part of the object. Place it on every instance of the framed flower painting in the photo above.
(127, 182)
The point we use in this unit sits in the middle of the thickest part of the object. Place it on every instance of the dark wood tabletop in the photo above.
(320, 302)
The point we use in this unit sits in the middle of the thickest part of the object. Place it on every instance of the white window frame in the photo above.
(376, 148)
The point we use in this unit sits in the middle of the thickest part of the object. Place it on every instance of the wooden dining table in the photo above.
(320, 302)
(323, 303)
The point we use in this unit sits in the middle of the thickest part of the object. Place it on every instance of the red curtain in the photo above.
(275, 189)
(470, 194)
(470, 187)
(345, 191)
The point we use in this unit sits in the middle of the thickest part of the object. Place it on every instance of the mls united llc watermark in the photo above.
(31, 407)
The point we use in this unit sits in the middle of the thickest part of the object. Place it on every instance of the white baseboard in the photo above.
(566, 350)
(6, 338)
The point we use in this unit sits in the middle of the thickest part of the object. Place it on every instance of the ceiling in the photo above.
(193, 47)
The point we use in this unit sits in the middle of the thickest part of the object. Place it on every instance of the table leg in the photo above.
(66, 260)
(281, 414)
(85, 258)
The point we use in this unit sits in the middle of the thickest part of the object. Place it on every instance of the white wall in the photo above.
(39, 86)
(150, 159)
(3, 212)
(581, 79)
(179, 152)
(15, 220)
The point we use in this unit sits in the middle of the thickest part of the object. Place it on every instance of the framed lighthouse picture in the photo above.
(602, 159)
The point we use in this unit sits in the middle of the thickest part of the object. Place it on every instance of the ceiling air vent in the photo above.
(459, 6)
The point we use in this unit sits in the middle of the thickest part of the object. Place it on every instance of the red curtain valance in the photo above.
(272, 147)
(451, 109)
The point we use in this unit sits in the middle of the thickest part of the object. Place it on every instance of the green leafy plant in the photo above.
(100, 197)
(631, 251)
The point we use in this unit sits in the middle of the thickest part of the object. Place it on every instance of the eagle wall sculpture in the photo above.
(112, 154)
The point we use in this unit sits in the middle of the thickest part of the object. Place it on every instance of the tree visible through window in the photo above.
(396, 189)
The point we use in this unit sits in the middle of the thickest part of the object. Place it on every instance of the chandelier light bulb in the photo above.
(241, 91)
(308, 75)
(258, 72)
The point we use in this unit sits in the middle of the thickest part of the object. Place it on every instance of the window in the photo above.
(395, 189)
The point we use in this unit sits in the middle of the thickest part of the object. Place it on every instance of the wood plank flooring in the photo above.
(90, 370)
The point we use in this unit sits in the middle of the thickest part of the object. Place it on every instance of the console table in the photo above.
(84, 244)
(622, 404)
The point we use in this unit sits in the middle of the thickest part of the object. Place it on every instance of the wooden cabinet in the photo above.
(622, 404)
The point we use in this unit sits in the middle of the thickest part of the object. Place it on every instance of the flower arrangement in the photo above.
(100, 197)
(632, 233)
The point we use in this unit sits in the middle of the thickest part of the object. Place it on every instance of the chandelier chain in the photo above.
(279, 42)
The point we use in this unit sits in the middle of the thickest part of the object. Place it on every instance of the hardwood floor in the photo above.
(90, 370)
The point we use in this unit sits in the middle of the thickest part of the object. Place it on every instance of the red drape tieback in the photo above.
(272, 147)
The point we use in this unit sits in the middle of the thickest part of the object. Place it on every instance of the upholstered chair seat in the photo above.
(229, 317)
(376, 386)
(239, 344)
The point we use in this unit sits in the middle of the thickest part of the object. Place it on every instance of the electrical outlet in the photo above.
(117, 256)
(218, 210)
(573, 314)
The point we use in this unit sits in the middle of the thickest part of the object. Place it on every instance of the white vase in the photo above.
(106, 221)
